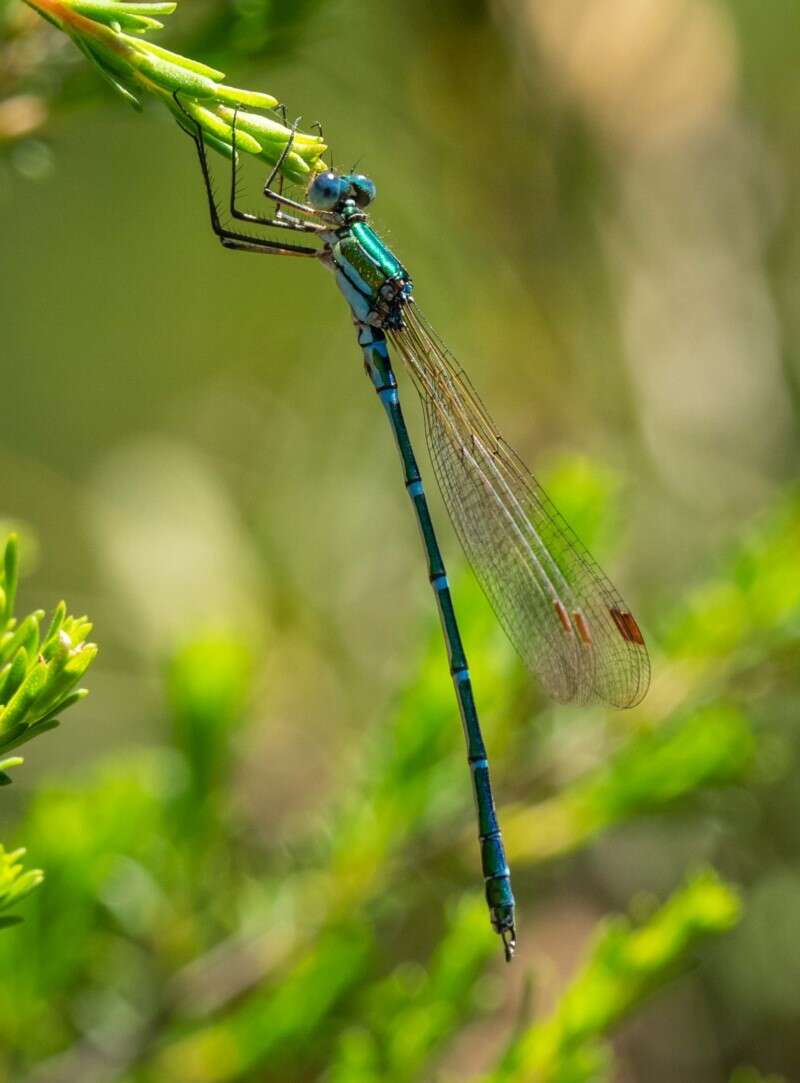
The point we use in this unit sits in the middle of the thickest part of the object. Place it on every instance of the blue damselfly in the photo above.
(559, 609)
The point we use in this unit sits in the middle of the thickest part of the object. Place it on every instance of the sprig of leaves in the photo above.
(38, 675)
(111, 34)
(15, 883)
(38, 670)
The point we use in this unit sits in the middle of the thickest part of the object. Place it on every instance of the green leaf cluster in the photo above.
(38, 674)
(111, 34)
(38, 669)
(15, 882)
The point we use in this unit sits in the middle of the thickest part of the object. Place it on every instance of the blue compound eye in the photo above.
(326, 191)
(362, 189)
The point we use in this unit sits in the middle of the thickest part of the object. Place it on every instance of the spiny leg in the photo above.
(229, 238)
(279, 222)
(318, 125)
(285, 119)
(284, 201)
(294, 127)
(277, 169)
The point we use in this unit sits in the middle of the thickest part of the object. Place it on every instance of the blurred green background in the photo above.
(598, 200)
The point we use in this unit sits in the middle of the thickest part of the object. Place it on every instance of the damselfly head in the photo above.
(328, 191)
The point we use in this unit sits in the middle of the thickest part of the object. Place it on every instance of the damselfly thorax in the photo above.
(374, 282)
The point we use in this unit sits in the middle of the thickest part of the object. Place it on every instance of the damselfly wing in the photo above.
(559, 609)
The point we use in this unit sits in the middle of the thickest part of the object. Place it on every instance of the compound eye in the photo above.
(326, 191)
(363, 189)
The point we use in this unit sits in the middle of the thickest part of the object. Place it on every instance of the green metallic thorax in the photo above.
(374, 282)
(360, 247)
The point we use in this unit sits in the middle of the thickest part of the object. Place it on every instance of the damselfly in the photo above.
(559, 609)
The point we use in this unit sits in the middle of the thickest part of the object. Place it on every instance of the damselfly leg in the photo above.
(281, 221)
(285, 118)
(230, 238)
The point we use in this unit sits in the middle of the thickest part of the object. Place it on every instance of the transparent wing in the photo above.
(557, 606)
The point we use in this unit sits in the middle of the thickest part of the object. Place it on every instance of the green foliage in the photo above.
(110, 33)
(15, 883)
(149, 853)
(405, 1018)
(38, 669)
(38, 674)
(231, 953)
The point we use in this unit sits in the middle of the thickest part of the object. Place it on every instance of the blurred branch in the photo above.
(624, 967)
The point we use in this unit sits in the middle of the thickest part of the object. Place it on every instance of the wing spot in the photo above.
(627, 626)
(563, 616)
(583, 628)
